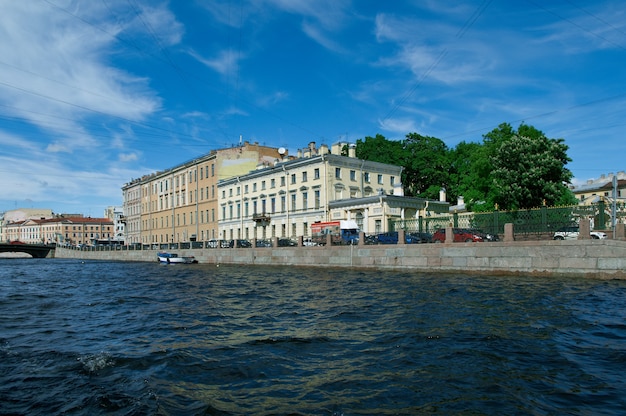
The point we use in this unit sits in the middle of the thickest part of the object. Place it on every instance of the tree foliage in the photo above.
(426, 165)
(512, 169)
(530, 172)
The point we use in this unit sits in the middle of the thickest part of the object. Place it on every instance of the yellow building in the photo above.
(602, 188)
(180, 204)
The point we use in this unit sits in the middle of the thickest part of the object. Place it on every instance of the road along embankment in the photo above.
(605, 259)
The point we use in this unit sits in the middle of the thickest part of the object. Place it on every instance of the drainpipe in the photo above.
(287, 202)
(240, 207)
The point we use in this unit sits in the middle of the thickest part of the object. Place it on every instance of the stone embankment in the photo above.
(604, 259)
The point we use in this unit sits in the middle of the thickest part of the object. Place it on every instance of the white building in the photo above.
(284, 199)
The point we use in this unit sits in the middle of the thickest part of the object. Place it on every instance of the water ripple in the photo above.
(143, 339)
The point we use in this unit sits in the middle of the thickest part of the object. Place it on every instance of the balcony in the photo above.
(261, 219)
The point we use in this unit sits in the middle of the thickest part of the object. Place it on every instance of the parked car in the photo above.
(240, 243)
(286, 242)
(486, 236)
(418, 238)
(263, 243)
(308, 242)
(387, 238)
(371, 239)
(392, 238)
(572, 232)
(460, 235)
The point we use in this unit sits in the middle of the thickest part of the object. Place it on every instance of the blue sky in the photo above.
(96, 93)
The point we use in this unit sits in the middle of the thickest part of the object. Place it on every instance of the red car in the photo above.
(460, 235)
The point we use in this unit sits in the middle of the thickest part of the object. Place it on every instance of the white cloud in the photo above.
(398, 125)
(128, 157)
(225, 63)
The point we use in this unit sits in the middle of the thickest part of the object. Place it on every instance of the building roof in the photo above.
(604, 182)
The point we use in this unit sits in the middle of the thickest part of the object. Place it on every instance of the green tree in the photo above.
(529, 171)
(470, 176)
(426, 165)
(380, 149)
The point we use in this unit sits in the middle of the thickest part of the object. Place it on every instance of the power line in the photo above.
(576, 24)
(468, 24)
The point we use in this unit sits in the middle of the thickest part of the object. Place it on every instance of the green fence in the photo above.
(537, 221)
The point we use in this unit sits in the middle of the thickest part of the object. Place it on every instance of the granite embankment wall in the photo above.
(577, 258)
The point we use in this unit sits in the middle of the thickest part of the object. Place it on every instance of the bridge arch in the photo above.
(38, 251)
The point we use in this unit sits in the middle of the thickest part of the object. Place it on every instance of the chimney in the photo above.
(398, 190)
(442, 195)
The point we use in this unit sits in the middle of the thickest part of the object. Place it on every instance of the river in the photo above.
(114, 338)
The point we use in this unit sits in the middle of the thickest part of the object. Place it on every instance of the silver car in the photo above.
(571, 233)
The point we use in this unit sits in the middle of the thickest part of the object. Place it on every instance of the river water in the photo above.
(89, 338)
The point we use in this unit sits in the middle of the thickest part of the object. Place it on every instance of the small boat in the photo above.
(174, 258)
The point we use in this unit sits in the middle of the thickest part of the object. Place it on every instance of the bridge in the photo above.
(38, 251)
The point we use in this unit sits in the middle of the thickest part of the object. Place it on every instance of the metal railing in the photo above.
(536, 223)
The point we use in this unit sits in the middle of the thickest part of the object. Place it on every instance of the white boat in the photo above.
(174, 258)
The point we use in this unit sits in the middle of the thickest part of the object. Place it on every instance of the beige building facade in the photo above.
(180, 204)
(61, 230)
(284, 199)
(594, 190)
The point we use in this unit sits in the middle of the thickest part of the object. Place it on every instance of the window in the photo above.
(316, 173)
(262, 185)
(380, 179)
(317, 199)
(273, 183)
(366, 176)
(305, 200)
(293, 202)
(254, 187)
(304, 177)
(392, 180)
(353, 175)
(282, 181)
(293, 178)
(338, 173)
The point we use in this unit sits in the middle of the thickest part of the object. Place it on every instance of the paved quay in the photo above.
(589, 258)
